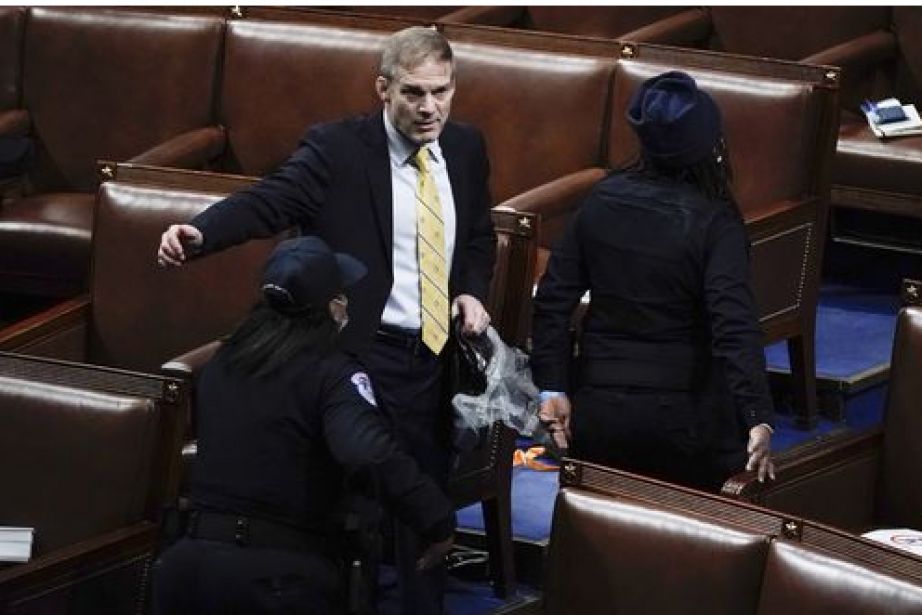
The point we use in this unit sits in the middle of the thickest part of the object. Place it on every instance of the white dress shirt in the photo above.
(402, 307)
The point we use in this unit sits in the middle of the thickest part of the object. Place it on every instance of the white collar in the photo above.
(402, 149)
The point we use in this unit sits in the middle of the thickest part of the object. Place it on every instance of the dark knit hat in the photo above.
(304, 272)
(677, 123)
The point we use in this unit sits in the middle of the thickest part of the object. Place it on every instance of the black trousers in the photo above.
(205, 577)
(671, 435)
(409, 384)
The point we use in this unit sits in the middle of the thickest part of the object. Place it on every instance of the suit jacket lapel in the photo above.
(378, 169)
(456, 175)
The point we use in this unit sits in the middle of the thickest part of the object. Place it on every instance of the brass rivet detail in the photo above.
(628, 50)
(236, 11)
(171, 393)
(791, 529)
(832, 75)
(107, 171)
(913, 291)
(524, 222)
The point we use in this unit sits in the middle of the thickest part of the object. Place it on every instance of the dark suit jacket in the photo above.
(337, 185)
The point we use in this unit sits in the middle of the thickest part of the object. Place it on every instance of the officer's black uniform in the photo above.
(671, 372)
(273, 452)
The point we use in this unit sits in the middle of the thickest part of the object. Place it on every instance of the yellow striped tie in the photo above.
(430, 252)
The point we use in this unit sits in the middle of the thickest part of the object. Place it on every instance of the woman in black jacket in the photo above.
(285, 419)
(671, 375)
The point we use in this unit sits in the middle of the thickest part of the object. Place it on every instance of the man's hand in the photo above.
(435, 554)
(474, 318)
(554, 414)
(760, 452)
(173, 244)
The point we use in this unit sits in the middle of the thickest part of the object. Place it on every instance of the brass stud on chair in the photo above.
(171, 392)
(832, 76)
(524, 222)
(912, 291)
(236, 11)
(628, 50)
(791, 529)
(107, 172)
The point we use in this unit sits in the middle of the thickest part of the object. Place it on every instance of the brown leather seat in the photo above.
(860, 481)
(621, 543)
(137, 315)
(633, 23)
(94, 514)
(98, 83)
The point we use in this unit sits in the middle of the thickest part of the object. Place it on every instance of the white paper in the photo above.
(903, 539)
(16, 544)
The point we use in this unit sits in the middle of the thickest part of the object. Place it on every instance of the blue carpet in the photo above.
(854, 333)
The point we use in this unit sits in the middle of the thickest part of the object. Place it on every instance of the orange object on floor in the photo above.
(529, 459)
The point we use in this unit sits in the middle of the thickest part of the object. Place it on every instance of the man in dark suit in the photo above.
(358, 183)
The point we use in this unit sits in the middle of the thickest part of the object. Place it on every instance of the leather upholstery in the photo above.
(59, 483)
(899, 498)
(88, 456)
(304, 73)
(142, 315)
(12, 20)
(602, 21)
(612, 555)
(807, 581)
(46, 242)
(152, 78)
(622, 543)
(780, 32)
(542, 112)
(865, 161)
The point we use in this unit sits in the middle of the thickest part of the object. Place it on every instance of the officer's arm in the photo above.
(359, 439)
(735, 332)
(560, 289)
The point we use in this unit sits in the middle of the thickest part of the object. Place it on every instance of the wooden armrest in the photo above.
(486, 15)
(858, 55)
(779, 215)
(69, 565)
(56, 319)
(15, 123)
(189, 364)
(689, 27)
(559, 196)
(193, 149)
(810, 461)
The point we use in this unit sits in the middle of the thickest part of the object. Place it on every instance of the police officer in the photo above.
(671, 376)
(284, 419)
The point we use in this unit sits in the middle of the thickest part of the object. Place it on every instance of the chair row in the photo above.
(88, 458)
(551, 107)
(877, 197)
(626, 544)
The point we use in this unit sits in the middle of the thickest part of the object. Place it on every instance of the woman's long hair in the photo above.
(712, 176)
(267, 339)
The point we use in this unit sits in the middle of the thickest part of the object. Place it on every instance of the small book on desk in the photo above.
(16, 544)
(890, 118)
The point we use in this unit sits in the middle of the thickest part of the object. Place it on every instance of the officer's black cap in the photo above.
(304, 273)
(677, 123)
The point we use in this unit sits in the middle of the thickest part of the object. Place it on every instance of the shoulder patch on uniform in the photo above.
(362, 384)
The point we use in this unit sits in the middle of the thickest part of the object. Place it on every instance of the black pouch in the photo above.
(470, 357)
(16, 156)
